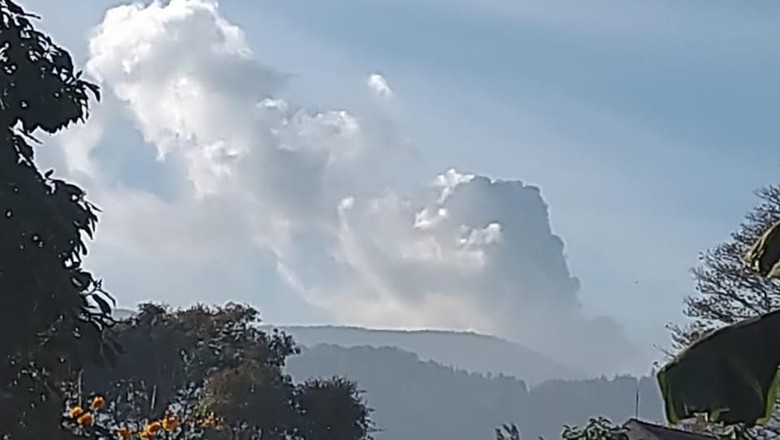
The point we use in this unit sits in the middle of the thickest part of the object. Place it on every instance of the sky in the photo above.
(543, 171)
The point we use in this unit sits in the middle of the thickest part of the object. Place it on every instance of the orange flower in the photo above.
(76, 412)
(153, 428)
(86, 419)
(123, 433)
(170, 423)
(98, 402)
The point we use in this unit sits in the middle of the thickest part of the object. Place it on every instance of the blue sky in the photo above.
(671, 120)
(644, 124)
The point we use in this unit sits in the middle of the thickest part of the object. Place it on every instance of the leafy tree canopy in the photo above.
(52, 306)
(217, 360)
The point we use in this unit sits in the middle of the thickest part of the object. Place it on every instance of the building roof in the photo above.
(640, 430)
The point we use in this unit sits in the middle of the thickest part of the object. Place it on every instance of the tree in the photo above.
(53, 307)
(255, 402)
(102, 419)
(729, 369)
(332, 410)
(728, 290)
(205, 360)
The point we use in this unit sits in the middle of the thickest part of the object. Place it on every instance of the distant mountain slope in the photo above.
(469, 351)
(424, 400)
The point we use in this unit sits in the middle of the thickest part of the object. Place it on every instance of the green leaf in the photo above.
(729, 374)
(764, 255)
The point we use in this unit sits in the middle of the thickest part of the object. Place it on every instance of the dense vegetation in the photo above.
(417, 399)
(728, 366)
(53, 309)
(202, 361)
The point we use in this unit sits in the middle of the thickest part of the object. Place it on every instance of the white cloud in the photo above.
(212, 110)
(378, 84)
(307, 187)
(485, 249)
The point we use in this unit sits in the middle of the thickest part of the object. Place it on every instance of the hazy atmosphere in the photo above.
(389, 220)
(545, 173)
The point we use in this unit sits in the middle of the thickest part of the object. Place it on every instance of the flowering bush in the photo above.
(179, 366)
(99, 421)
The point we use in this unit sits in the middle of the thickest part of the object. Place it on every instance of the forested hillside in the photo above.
(470, 351)
(415, 399)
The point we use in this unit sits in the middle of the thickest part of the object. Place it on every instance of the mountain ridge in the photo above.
(415, 399)
(467, 350)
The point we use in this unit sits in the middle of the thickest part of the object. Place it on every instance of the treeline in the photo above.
(419, 400)
(216, 360)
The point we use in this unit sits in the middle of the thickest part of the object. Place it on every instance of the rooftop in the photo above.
(641, 430)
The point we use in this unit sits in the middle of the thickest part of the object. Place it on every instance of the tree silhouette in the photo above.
(218, 360)
(728, 291)
(332, 410)
(728, 368)
(53, 310)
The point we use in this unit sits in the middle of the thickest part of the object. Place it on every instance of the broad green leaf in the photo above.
(729, 374)
(764, 255)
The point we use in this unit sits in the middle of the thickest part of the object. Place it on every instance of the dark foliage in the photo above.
(217, 359)
(53, 310)
(332, 410)
(731, 373)
(598, 428)
(727, 290)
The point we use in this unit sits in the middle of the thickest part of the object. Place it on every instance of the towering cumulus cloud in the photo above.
(470, 252)
(247, 172)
